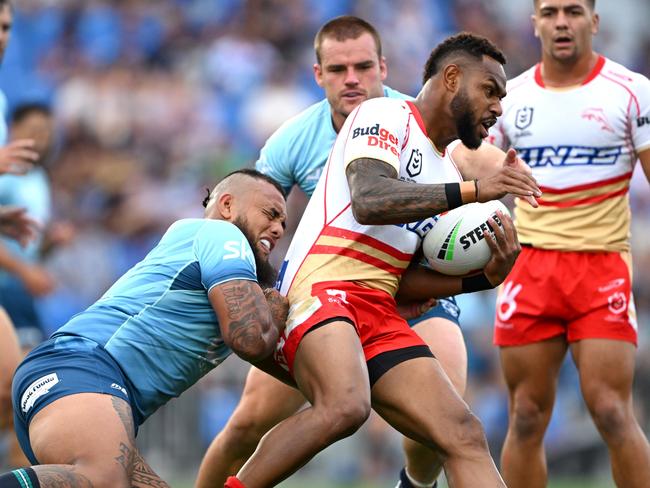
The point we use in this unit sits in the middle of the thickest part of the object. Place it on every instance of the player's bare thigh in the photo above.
(92, 431)
(446, 341)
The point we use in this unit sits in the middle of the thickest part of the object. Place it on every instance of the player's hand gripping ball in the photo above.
(455, 245)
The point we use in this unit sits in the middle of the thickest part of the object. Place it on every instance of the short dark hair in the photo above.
(464, 43)
(25, 109)
(592, 3)
(343, 28)
(253, 173)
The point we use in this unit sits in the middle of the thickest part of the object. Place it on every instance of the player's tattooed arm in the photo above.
(279, 306)
(245, 319)
(378, 197)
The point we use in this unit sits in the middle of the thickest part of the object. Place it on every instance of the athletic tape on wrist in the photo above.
(452, 192)
(478, 282)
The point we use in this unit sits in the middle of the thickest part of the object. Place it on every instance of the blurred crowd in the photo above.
(154, 101)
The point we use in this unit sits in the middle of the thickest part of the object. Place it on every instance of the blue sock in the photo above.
(20, 478)
(405, 481)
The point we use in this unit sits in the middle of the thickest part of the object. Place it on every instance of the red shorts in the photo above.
(578, 295)
(373, 314)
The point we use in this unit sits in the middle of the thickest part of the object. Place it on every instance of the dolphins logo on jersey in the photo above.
(524, 117)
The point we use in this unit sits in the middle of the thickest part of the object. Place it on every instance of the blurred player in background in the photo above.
(23, 277)
(580, 121)
(80, 396)
(344, 342)
(16, 157)
(350, 68)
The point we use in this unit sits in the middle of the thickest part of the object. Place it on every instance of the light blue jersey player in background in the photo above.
(80, 396)
(350, 69)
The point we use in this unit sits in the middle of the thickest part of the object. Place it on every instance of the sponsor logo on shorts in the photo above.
(115, 386)
(507, 303)
(378, 136)
(36, 390)
(450, 307)
(617, 303)
(337, 296)
(618, 282)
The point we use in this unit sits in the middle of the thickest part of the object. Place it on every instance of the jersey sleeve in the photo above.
(640, 114)
(275, 160)
(223, 254)
(377, 131)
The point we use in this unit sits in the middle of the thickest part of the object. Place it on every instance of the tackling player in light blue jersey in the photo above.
(80, 396)
(297, 152)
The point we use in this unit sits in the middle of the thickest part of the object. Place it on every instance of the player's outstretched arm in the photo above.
(15, 223)
(246, 321)
(379, 198)
(17, 157)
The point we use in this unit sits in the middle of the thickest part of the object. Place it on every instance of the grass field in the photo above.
(319, 483)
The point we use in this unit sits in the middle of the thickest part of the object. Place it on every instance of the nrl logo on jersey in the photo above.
(414, 166)
(523, 119)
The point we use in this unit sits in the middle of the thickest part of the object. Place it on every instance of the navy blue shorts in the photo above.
(62, 366)
(446, 308)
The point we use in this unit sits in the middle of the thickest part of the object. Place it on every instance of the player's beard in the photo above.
(266, 274)
(461, 110)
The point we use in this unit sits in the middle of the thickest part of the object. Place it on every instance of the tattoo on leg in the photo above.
(143, 475)
(126, 458)
(124, 413)
(61, 477)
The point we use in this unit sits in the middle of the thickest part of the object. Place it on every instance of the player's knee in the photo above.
(528, 420)
(610, 416)
(344, 417)
(243, 431)
(470, 436)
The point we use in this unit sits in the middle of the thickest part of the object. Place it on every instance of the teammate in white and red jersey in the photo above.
(580, 121)
(344, 342)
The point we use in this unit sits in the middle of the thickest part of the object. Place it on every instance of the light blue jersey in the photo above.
(297, 152)
(4, 131)
(156, 321)
(32, 192)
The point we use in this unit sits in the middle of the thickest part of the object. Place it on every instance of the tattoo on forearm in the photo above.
(401, 201)
(53, 476)
(247, 328)
(278, 305)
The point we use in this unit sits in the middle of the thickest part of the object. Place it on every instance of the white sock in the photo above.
(416, 484)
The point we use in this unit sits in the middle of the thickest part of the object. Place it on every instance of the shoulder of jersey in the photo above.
(622, 74)
(199, 223)
(296, 125)
(524, 78)
(384, 103)
(391, 93)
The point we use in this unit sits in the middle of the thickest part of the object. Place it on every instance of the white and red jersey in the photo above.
(582, 144)
(329, 244)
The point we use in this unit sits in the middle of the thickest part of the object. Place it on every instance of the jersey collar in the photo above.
(594, 72)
